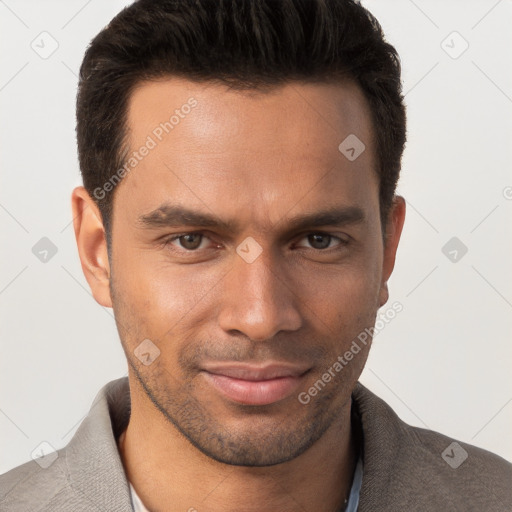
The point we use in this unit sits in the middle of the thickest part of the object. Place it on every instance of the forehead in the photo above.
(217, 147)
(320, 112)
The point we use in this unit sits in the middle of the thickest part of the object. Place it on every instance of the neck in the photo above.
(168, 473)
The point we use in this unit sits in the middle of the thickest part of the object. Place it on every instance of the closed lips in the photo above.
(254, 373)
(254, 385)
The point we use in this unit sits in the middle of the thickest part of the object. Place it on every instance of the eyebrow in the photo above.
(168, 215)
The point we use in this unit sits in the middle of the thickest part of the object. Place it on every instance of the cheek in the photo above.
(179, 289)
(345, 296)
(165, 296)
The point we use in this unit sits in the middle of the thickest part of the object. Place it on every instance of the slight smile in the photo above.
(255, 385)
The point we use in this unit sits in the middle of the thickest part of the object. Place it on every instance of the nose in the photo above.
(258, 299)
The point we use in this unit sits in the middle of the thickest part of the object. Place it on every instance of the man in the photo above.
(239, 215)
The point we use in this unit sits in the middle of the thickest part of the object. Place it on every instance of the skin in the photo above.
(259, 159)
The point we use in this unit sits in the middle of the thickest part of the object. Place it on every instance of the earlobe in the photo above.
(383, 294)
(393, 231)
(92, 245)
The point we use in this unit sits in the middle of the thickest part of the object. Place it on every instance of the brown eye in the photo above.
(319, 240)
(190, 241)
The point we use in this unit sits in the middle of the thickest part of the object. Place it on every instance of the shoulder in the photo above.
(414, 468)
(34, 482)
(459, 474)
(87, 474)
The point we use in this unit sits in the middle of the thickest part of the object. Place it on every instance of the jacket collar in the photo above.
(381, 430)
(92, 457)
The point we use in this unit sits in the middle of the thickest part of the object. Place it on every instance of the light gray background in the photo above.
(443, 363)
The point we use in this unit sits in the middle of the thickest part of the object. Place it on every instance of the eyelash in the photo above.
(342, 243)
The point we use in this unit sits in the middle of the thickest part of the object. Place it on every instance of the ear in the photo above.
(394, 227)
(92, 245)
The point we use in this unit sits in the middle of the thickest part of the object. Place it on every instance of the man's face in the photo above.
(251, 310)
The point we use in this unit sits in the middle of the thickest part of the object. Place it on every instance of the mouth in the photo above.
(255, 385)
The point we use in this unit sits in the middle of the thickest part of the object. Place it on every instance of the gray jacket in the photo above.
(405, 468)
